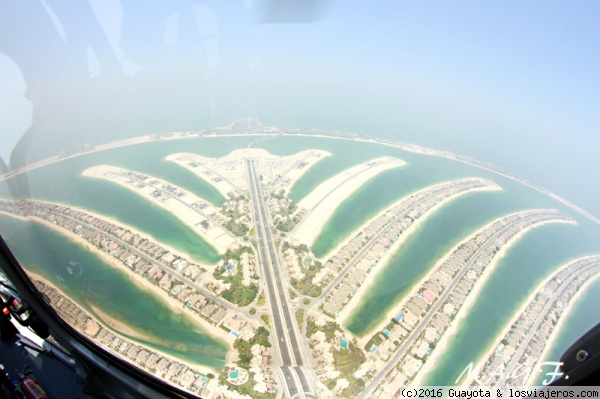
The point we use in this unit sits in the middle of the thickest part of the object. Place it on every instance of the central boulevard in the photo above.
(297, 380)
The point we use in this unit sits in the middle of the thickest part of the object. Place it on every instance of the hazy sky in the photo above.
(512, 82)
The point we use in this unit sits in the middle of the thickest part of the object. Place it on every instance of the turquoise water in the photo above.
(48, 253)
(62, 182)
(527, 264)
(345, 154)
(379, 193)
(584, 315)
(437, 235)
(392, 185)
(540, 252)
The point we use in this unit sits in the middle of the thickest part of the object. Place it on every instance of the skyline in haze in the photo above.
(514, 84)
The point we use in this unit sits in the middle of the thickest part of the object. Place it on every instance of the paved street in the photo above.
(284, 328)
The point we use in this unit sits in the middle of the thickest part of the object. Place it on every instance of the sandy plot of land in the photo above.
(322, 202)
(192, 210)
(199, 166)
(307, 160)
(228, 173)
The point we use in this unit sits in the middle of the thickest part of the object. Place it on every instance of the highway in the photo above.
(284, 329)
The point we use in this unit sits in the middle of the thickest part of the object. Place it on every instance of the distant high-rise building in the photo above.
(247, 125)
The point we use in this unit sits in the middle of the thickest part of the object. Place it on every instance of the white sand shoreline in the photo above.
(217, 236)
(359, 229)
(473, 295)
(560, 324)
(488, 352)
(371, 279)
(142, 283)
(413, 148)
(105, 320)
(322, 202)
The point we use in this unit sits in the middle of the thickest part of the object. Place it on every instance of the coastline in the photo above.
(518, 313)
(384, 261)
(492, 187)
(412, 148)
(57, 158)
(141, 283)
(322, 202)
(225, 188)
(448, 254)
(125, 226)
(560, 324)
(449, 338)
(297, 174)
(226, 182)
(200, 367)
(370, 281)
(473, 296)
(219, 242)
(115, 325)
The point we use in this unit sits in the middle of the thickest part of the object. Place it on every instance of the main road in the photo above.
(297, 380)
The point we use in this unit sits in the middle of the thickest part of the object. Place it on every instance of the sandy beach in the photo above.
(491, 187)
(215, 235)
(472, 297)
(560, 324)
(383, 262)
(392, 312)
(322, 202)
(116, 327)
(133, 231)
(184, 159)
(488, 352)
(140, 282)
(310, 157)
(228, 173)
